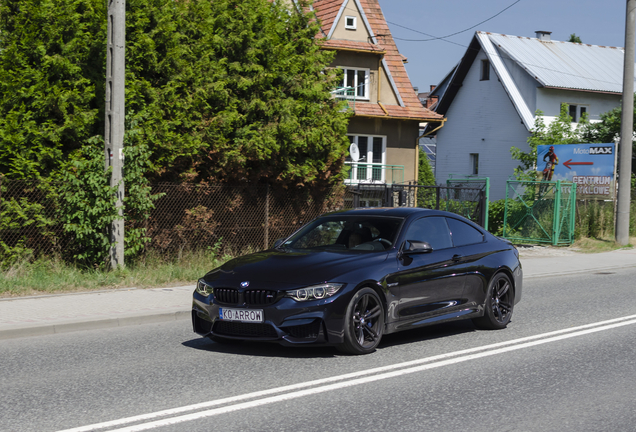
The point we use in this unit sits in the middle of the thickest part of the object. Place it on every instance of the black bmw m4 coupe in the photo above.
(348, 278)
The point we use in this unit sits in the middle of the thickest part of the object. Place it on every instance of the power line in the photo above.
(421, 32)
(456, 33)
(497, 55)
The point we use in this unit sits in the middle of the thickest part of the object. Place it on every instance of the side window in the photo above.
(433, 230)
(322, 235)
(463, 234)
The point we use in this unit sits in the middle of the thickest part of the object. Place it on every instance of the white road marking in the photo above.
(347, 380)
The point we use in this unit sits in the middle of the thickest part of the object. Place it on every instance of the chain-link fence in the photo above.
(541, 212)
(201, 216)
(191, 216)
(185, 217)
(28, 223)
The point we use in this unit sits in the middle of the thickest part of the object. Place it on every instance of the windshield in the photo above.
(361, 233)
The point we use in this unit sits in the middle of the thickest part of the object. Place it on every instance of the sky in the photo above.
(595, 22)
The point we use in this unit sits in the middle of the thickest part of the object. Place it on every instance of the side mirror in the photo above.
(278, 242)
(412, 247)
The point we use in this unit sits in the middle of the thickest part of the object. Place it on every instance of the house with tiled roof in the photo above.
(386, 110)
(491, 98)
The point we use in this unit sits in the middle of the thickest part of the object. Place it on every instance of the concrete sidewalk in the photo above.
(44, 315)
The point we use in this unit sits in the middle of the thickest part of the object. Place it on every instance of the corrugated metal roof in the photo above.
(565, 64)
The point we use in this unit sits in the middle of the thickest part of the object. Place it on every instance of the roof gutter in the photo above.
(387, 117)
(356, 50)
(582, 90)
(441, 125)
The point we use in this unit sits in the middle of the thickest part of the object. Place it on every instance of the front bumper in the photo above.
(287, 321)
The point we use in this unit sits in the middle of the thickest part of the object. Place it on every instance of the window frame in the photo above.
(367, 161)
(474, 163)
(367, 80)
(579, 109)
(353, 26)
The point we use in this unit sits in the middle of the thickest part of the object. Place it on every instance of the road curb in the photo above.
(20, 331)
(573, 272)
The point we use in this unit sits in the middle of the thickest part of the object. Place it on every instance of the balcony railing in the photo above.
(373, 173)
(346, 93)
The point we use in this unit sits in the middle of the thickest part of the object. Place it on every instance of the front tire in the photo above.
(499, 304)
(364, 323)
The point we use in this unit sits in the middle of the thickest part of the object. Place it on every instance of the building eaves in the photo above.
(496, 60)
(455, 78)
(339, 44)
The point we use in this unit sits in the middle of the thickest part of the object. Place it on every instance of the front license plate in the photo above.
(245, 315)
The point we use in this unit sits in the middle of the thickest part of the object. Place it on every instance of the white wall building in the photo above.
(491, 96)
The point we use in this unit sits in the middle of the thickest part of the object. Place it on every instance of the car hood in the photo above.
(293, 268)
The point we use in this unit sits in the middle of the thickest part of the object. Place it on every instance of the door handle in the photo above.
(457, 258)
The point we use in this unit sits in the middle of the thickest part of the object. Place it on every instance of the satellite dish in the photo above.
(354, 151)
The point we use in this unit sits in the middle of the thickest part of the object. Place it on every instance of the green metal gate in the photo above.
(482, 183)
(540, 212)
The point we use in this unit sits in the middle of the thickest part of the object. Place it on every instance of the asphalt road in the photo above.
(565, 363)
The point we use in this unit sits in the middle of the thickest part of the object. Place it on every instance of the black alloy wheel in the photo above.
(499, 304)
(364, 324)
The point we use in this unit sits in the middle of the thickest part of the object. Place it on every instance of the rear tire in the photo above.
(498, 305)
(364, 323)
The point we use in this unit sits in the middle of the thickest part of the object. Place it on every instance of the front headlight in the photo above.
(314, 292)
(203, 288)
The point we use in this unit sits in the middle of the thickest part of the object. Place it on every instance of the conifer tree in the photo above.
(218, 91)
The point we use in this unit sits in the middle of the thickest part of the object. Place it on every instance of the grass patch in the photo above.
(53, 276)
(596, 245)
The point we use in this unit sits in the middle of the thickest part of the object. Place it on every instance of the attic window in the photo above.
(350, 23)
(485, 70)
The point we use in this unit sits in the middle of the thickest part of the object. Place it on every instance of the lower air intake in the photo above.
(248, 330)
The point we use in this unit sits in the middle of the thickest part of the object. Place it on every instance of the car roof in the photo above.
(388, 211)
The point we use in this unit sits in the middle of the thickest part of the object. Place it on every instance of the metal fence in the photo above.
(540, 211)
(28, 223)
(482, 183)
(469, 202)
(195, 216)
(190, 216)
(186, 216)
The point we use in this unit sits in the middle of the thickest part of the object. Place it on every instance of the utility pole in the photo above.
(627, 128)
(115, 115)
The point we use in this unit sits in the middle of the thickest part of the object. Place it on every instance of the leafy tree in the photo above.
(260, 87)
(608, 129)
(221, 90)
(225, 90)
(574, 38)
(51, 81)
(560, 131)
(425, 175)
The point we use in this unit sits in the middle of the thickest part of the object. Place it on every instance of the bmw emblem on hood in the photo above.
(245, 284)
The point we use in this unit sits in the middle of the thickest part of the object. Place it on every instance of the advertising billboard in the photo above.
(590, 166)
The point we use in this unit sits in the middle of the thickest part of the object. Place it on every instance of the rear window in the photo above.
(464, 234)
